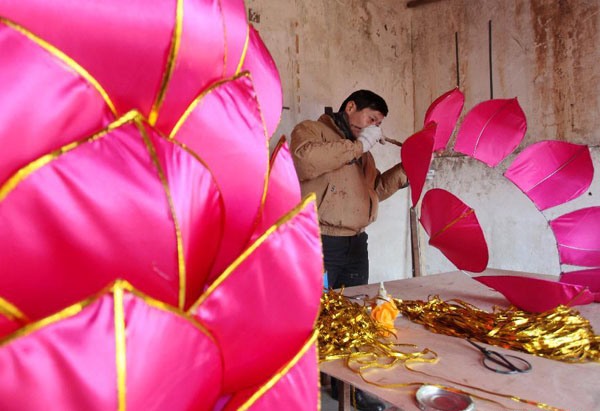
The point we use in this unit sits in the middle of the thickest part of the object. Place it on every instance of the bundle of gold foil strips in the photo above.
(346, 330)
(560, 334)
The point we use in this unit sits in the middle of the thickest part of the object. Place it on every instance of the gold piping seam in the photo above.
(242, 257)
(77, 307)
(224, 39)
(198, 100)
(173, 51)
(66, 59)
(11, 312)
(165, 184)
(61, 315)
(244, 50)
(40, 162)
(451, 223)
(280, 374)
(120, 345)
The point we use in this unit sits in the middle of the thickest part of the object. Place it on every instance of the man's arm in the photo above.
(390, 181)
(313, 155)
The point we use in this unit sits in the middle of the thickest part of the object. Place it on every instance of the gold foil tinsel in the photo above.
(560, 334)
(346, 330)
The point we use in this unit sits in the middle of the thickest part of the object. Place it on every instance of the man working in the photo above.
(332, 160)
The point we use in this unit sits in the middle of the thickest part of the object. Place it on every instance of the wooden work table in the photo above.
(567, 386)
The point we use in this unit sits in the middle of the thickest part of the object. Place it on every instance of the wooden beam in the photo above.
(415, 3)
(414, 242)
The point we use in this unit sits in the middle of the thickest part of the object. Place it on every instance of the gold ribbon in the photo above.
(559, 334)
(347, 331)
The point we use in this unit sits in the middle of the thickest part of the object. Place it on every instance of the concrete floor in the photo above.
(327, 403)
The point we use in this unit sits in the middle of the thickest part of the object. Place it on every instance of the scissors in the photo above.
(502, 363)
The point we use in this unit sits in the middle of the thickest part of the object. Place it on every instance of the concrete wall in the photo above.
(542, 52)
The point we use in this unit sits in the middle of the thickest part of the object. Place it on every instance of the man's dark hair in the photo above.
(366, 99)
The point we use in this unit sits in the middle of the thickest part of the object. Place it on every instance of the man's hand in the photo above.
(369, 136)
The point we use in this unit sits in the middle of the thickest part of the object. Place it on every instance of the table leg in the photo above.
(344, 391)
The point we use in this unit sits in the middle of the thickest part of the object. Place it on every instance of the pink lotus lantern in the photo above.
(549, 173)
(152, 255)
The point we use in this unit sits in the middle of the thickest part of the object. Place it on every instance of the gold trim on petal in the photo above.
(263, 199)
(163, 179)
(51, 319)
(224, 38)
(174, 49)
(40, 162)
(199, 99)
(120, 344)
(452, 223)
(242, 257)
(65, 59)
(11, 312)
(79, 306)
(244, 50)
(280, 374)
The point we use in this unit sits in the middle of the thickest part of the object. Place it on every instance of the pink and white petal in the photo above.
(283, 188)
(578, 237)
(70, 361)
(492, 130)
(552, 172)
(444, 111)
(265, 76)
(225, 129)
(45, 102)
(416, 155)
(296, 387)
(269, 297)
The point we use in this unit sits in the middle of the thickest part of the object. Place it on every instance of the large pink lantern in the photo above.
(146, 233)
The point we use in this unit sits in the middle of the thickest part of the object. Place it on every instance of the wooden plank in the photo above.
(414, 242)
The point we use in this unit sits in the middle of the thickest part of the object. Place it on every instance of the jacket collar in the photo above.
(338, 122)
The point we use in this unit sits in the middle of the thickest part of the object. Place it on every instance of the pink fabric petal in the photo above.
(41, 96)
(8, 325)
(444, 111)
(235, 31)
(261, 285)
(589, 278)
(266, 81)
(283, 189)
(199, 210)
(202, 28)
(226, 131)
(416, 155)
(126, 44)
(295, 388)
(102, 209)
(491, 131)
(453, 228)
(70, 363)
(552, 172)
(578, 237)
(537, 295)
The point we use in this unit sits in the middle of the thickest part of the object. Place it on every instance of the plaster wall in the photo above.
(324, 51)
(543, 52)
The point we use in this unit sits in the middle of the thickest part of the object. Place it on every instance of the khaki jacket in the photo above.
(346, 182)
